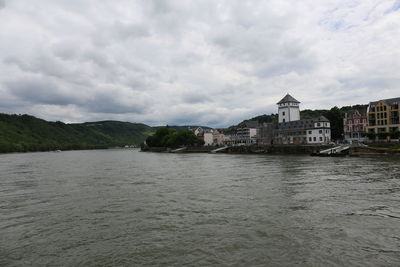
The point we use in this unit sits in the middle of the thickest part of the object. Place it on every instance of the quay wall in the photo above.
(254, 149)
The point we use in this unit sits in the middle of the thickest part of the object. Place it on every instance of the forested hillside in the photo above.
(19, 133)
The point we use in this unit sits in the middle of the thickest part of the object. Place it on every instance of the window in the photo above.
(315, 139)
(310, 132)
(283, 120)
(318, 124)
(320, 139)
(320, 131)
(310, 139)
(283, 113)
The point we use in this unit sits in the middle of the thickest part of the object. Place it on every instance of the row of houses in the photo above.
(379, 119)
(290, 129)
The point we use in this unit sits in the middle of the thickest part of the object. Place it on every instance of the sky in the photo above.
(203, 62)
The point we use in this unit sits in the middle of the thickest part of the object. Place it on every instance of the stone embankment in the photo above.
(375, 149)
(355, 150)
(255, 149)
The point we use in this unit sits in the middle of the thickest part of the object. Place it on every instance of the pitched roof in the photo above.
(322, 118)
(301, 124)
(353, 112)
(288, 98)
(389, 101)
(248, 124)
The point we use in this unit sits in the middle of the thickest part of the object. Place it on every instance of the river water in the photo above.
(127, 208)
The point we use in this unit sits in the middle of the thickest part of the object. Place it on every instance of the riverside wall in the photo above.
(254, 149)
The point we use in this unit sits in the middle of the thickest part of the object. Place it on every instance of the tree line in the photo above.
(169, 137)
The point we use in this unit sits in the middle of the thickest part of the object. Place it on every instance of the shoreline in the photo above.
(354, 151)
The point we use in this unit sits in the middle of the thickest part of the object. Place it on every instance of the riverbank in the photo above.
(355, 150)
(254, 149)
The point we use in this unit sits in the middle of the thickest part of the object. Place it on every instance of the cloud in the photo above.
(37, 90)
(205, 62)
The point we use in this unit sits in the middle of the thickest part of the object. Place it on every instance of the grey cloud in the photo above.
(195, 97)
(372, 81)
(66, 50)
(102, 104)
(112, 102)
(38, 91)
(129, 30)
(193, 62)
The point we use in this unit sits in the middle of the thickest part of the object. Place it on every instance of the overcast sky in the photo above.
(204, 62)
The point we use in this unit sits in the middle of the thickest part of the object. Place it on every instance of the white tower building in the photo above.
(288, 109)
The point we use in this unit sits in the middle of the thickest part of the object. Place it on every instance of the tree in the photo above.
(335, 116)
(395, 134)
(160, 137)
(167, 137)
(383, 135)
(371, 135)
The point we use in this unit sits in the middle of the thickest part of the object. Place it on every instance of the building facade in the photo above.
(213, 138)
(383, 117)
(288, 109)
(292, 130)
(355, 125)
(246, 133)
(308, 131)
(265, 134)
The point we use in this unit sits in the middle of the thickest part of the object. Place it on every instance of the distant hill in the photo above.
(184, 127)
(20, 133)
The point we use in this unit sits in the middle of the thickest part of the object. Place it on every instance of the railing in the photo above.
(334, 150)
(219, 149)
(178, 149)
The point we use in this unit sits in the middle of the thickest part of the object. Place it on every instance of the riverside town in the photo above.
(376, 123)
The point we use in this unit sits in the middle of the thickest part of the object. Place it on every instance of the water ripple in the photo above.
(125, 208)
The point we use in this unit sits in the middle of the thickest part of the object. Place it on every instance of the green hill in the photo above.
(20, 133)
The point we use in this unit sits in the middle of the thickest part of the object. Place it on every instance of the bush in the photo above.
(383, 135)
(167, 137)
(395, 135)
(371, 136)
(144, 147)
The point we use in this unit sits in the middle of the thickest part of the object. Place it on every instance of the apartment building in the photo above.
(383, 116)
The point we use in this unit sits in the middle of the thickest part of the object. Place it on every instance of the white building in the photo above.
(321, 131)
(288, 109)
(292, 130)
(247, 135)
(213, 138)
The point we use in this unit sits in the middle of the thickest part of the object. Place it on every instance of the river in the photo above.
(128, 208)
